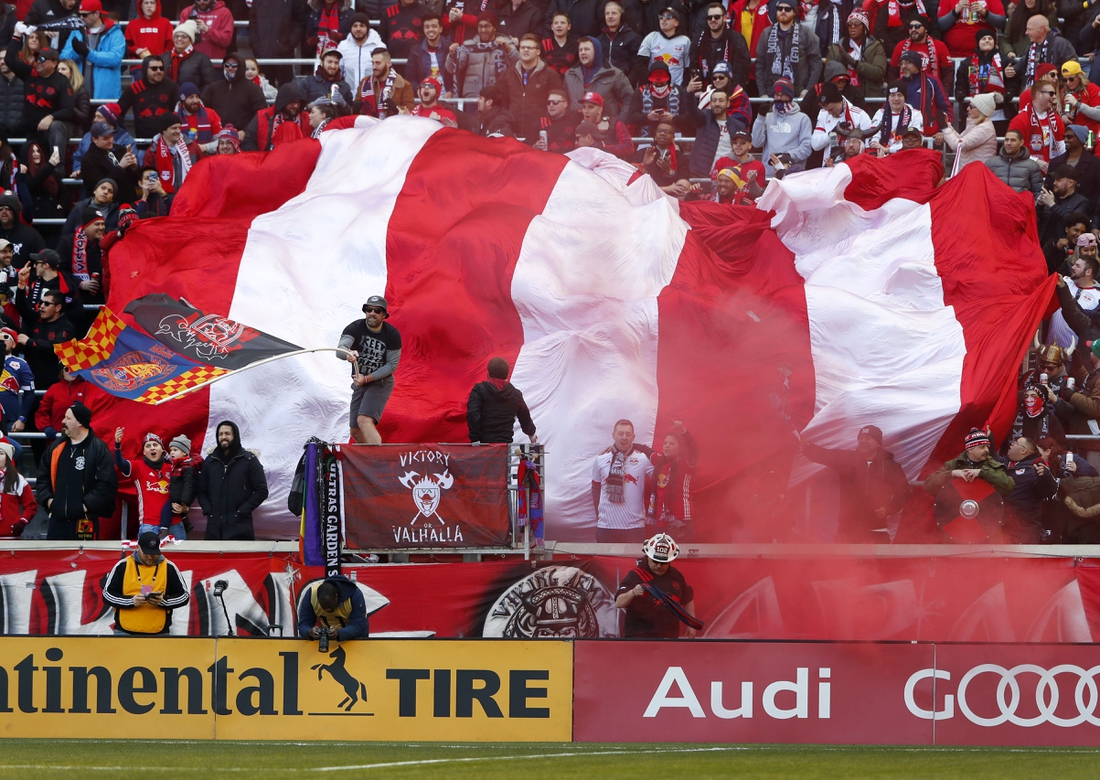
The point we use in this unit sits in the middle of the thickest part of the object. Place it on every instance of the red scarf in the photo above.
(165, 166)
(893, 8)
(328, 24)
(933, 66)
(986, 78)
(199, 122)
(177, 60)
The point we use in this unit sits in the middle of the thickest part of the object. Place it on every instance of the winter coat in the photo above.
(870, 67)
(527, 102)
(708, 132)
(788, 133)
(106, 59)
(528, 18)
(475, 65)
(356, 60)
(276, 27)
(346, 11)
(807, 71)
(17, 508)
(1021, 173)
(121, 138)
(55, 93)
(231, 487)
(992, 471)
(42, 11)
(1024, 506)
(621, 50)
(195, 68)
(58, 398)
(863, 490)
(586, 16)
(610, 83)
(149, 102)
(491, 412)
(151, 35)
(728, 47)
(258, 132)
(1052, 218)
(219, 34)
(317, 86)
(976, 143)
(496, 121)
(11, 105)
(236, 101)
(96, 487)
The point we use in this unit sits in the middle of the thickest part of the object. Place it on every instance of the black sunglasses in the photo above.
(156, 67)
(374, 310)
(714, 18)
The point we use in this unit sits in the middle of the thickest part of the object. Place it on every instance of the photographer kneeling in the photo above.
(333, 607)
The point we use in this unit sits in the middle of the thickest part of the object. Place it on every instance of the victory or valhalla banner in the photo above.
(425, 495)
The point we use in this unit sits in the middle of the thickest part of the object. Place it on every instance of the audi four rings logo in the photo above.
(1010, 693)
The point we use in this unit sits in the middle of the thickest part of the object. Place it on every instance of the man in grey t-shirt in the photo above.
(373, 347)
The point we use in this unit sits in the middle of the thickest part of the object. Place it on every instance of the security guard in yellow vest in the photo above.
(335, 605)
(144, 588)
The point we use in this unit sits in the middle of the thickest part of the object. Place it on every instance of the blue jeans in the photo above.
(176, 529)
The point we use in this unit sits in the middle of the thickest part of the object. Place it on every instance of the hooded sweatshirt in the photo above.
(783, 133)
(148, 101)
(267, 129)
(492, 410)
(152, 35)
(232, 485)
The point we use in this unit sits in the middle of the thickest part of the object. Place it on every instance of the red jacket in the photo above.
(760, 23)
(219, 21)
(58, 398)
(153, 34)
(17, 509)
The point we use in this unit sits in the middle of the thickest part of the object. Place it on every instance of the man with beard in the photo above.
(1040, 125)
(714, 136)
(78, 484)
(1058, 202)
(150, 475)
(25, 240)
(1013, 165)
(373, 347)
(925, 94)
(1034, 484)
(872, 486)
(889, 19)
(232, 485)
(478, 62)
(356, 50)
(664, 163)
(559, 124)
(196, 118)
(935, 61)
(851, 145)
(1081, 287)
(788, 50)
(592, 75)
(327, 81)
(835, 110)
(31, 293)
(1083, 161)
(51, 327)
(430, 106)
(718, 43)
(385, 91)
(744, 164)
(150, 97)
(283, 122)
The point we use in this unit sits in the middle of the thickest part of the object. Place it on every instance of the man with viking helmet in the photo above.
(1051, 360)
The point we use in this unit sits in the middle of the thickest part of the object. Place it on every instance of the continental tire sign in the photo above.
(285, 689)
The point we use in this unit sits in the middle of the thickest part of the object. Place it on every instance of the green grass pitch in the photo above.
(157, 758)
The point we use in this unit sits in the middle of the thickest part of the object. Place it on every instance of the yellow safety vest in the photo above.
(337, 619)
(146, 618)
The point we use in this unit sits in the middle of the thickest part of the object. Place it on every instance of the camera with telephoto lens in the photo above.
(322, 641)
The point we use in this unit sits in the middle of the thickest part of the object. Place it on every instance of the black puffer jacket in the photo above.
(231, 487)
(491, 413)
(11, 104)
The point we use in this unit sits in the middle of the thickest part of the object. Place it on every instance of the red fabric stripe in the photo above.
(452, 247)
(913, 174)
(734, 312)
(195, 254)
(997, 282)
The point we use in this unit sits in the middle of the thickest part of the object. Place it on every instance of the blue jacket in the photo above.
(707, 133)
(358, 625)
(419, 65)
(106, 59)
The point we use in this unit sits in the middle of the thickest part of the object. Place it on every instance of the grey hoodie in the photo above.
(778, 133)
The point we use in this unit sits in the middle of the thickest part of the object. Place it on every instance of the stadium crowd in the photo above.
(106, 106)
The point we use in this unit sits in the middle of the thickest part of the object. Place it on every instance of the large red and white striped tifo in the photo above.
(875, 298)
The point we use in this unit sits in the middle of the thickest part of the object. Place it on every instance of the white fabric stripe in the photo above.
(307, 268)
(587, 297)
(876, 312)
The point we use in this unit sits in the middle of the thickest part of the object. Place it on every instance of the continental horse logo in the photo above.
(427, 491)
(354, 691)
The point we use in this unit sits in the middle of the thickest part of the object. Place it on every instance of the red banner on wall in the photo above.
(846, 693)
(409, 496)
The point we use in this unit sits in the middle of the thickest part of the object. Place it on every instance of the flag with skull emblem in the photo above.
(426, 496)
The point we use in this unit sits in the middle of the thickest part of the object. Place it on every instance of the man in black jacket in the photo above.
(151, 96)
(718, 43)
(275, 28)
(493, 407)
(232, 485)
(50, 327)
(620, 43)
(1034, 485)
(49, 95)
(78, 484)
(235, 98)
